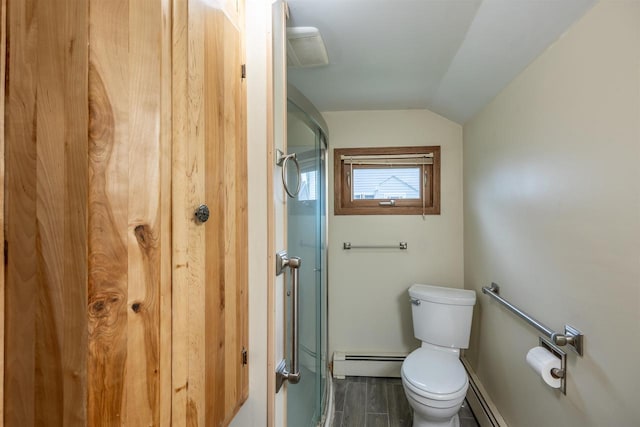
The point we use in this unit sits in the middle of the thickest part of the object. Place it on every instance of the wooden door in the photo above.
(87, 245)
(210, 332)
(119, 308)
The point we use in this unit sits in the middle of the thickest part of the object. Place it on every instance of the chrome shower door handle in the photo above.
(282, 374)
(294, 265)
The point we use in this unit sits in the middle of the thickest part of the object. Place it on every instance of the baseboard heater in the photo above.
(367, 364)
(482, 406)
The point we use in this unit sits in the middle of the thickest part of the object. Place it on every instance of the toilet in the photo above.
(433, 377)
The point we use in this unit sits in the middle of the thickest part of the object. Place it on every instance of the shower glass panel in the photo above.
(306, 235)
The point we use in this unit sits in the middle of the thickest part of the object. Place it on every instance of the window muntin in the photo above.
(387, 181)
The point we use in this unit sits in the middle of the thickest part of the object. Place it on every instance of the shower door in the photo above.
(306, 238)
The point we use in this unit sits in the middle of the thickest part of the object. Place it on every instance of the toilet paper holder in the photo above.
(555, 372)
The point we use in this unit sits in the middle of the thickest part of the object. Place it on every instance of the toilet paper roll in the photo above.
(543, 361)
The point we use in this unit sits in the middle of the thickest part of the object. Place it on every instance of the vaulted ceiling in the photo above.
(449, 56)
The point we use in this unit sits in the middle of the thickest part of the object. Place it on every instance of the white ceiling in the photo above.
(449, 56)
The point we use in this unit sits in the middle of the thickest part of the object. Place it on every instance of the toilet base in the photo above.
(418, 421)
(428, 415)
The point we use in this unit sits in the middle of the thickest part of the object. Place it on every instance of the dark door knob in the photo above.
(202, 213)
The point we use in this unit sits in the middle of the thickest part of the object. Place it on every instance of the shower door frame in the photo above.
(320, 128)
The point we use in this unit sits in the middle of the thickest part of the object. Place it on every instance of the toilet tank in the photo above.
(442, 316)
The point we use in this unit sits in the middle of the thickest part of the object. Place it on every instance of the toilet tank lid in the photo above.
(441, 295)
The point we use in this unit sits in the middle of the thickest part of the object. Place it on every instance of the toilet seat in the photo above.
(435, 375)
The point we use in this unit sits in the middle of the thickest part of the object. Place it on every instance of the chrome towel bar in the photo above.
(571, 337)
(348, 245)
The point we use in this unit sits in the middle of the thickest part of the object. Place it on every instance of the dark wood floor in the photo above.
(378, 402)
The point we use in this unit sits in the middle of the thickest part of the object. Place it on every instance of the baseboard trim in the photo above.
(481, 404)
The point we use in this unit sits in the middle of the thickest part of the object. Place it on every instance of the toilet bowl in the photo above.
(435, 384)
(434, 380)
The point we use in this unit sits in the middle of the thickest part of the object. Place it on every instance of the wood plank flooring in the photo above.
(378, 402)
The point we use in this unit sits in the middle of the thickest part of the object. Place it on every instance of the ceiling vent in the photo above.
(305, 48)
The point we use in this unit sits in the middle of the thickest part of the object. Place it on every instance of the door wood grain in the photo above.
(210, 327)
(116, 307)
(46, 233)
(129, 225)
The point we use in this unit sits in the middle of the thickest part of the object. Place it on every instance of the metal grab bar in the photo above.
(571, 337)
(348, 245)
(282, 374)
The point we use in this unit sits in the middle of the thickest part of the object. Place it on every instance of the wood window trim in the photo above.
(343, 205)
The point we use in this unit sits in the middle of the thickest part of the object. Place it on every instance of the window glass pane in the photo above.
(386, 183)
(308, 189)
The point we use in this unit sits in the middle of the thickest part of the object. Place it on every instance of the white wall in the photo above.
(369, 306)
(552, 214)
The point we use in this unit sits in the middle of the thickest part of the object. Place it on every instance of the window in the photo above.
(387, 181)
(308, 186)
